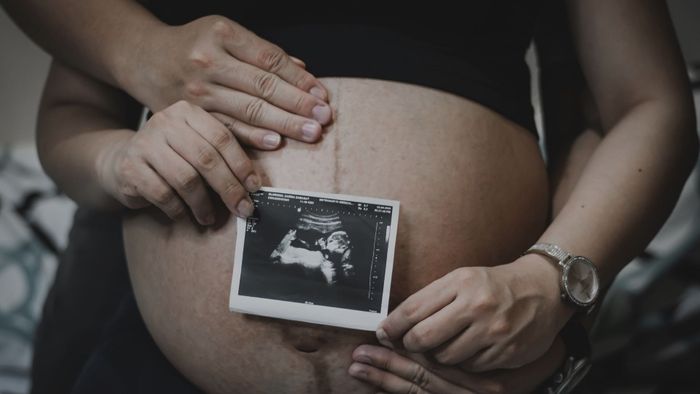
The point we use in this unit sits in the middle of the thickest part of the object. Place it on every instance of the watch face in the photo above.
(580, 281)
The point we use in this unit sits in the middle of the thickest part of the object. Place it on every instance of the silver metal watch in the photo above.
(579, 284)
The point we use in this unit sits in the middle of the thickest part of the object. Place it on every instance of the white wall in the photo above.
(23, 68)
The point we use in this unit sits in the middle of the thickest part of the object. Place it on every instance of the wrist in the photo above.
(105, 163)
(544, 277)
(134, 64)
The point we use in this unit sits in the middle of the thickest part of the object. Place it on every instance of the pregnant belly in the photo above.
(473, 192)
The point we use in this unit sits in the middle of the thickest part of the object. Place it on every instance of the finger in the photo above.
(495, 357)
(219, 137)
(384, 380)
(479, 362)
(523, 379)
(132, 202)
(526, 378)
(298, 61)
(208, 163)
(437, 329)
(405, 368)
(249, 48)
(414, 309)
(273, 89)
(158, 192)
(130, 188)
(464, 346)
(257, 112)
(249, 135)
(185, 180)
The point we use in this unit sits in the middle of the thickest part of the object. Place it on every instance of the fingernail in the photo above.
(322, 113)
(252, 183)
(311, 131)
(245, 208)
(317, 92)
(363, 359)
(357, 371)
(383, 338)
(271, 140)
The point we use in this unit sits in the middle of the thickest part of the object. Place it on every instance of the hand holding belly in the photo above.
(395, 372)
(249, 84)
(170, 162)
(482, 318)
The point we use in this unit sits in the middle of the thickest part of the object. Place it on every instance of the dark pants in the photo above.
(128, 361)
(91, 280)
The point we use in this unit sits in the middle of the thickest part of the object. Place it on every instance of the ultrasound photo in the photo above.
(315, 257)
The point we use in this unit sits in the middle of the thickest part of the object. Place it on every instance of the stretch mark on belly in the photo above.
(336, 140)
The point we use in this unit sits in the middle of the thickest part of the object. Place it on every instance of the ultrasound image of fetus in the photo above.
(318, 243)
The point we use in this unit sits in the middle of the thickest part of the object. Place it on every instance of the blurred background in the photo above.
(646, 339)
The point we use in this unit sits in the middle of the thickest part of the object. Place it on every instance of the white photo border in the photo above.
(318, 314)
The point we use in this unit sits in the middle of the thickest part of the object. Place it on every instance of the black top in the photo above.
(478, 54)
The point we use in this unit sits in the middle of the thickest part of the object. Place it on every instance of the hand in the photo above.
(249, 84)
(483, 318)
(169, 160)
(412, 373)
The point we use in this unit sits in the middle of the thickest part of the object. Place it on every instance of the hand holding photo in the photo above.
(315, 257)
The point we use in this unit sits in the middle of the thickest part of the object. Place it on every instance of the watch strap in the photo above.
(549, 250)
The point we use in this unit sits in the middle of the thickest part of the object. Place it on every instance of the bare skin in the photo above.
(255, 90)
(625, 192)
(178, 269)
(461, 126)
(252, 86)
(649, 124)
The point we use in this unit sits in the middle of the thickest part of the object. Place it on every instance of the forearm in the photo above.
(628, 188)
(633, 178)
(80, 121)
(117, 29)
(73, 161)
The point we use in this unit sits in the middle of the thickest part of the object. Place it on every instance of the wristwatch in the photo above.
(579, 283)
